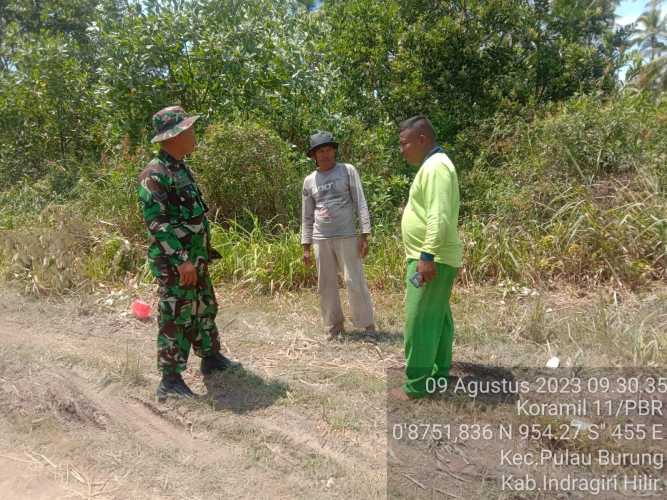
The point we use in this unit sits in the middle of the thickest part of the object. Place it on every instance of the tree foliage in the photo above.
(463, 61)
(80, 77)
(561, 174)
(651, 32)
(649, 71)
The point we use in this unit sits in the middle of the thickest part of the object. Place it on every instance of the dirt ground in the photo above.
(304, 418)
(79, 417)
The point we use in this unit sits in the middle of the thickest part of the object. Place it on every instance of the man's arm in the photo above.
(437, 191)
(359, 199)
(307, 221)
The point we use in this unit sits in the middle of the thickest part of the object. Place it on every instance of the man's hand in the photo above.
(427, 270)
(187, 273)
(307, 256)
(362, 245)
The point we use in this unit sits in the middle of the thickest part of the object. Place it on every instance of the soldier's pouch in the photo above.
(213, 254)
(192, 202)
(167, 275)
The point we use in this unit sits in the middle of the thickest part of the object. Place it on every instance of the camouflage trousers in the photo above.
(186, 318)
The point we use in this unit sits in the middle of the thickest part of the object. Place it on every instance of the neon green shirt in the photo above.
(430, 218)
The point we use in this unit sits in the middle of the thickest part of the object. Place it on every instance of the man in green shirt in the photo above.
(434, 254)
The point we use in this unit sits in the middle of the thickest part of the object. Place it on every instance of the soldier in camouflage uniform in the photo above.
(179, 254)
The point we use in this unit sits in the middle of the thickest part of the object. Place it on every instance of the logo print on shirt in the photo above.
(325, 187)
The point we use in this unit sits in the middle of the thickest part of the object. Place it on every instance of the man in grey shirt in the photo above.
(333, 200)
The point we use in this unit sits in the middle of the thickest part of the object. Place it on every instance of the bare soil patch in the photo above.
(304, 418)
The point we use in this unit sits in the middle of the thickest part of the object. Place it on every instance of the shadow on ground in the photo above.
(242, 391)
(494, 383)
(378, 337)
(468, 383)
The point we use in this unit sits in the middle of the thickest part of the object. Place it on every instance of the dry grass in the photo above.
(305, 417)
(600, 327)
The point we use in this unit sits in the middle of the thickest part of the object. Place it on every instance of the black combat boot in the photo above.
(216, 362)
(172, 384)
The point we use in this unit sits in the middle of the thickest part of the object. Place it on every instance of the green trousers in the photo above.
(186, 318)
(429, 329)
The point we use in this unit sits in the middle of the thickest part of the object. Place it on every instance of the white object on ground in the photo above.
(582, 425)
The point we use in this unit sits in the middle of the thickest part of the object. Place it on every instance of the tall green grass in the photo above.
(577, 195)
(269, 258)
(263, 258)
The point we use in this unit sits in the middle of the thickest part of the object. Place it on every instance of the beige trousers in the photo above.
(342, 255)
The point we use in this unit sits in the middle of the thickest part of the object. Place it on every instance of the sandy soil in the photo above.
(80, 420)
(304, 418)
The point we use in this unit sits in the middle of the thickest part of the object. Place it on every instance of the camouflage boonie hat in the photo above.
(169, 122)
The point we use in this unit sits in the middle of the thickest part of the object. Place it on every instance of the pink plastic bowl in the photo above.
(141, 310)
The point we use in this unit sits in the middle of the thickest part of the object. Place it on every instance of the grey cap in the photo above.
(320, 139)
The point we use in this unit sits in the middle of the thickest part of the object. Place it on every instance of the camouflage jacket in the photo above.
(174, 212)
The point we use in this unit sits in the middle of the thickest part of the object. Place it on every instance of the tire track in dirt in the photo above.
(32, 326)
(153, 425)
(148, 424)
(135, 417)
(303, 434)
(300, 433)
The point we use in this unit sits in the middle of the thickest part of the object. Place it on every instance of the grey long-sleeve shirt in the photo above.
(331, 201)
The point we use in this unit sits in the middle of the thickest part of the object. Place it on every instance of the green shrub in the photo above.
(247, 168)
(384, 196)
